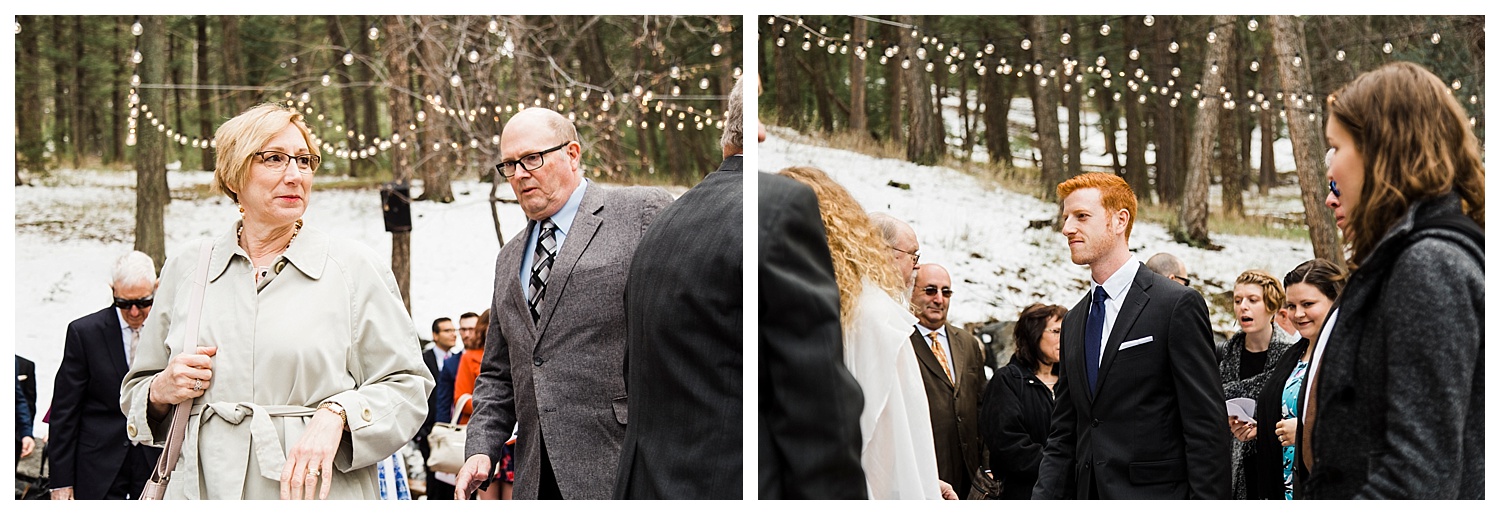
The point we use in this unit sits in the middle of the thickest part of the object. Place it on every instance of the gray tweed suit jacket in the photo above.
(562, 378)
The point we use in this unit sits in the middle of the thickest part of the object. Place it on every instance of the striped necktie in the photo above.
(541, 267)
(942, 357)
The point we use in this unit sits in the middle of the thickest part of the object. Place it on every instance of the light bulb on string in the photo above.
(1339, 55)
(1436, 38)
(136, 29)
(1457, 84)
(1252, 25)
(989, 48)
(905, 64)
(1214, 68)
(717, 49)
(348, 58)
(1213, 36)
(1149, 20)
(1254, 65)
(1066, 37)
(929, 67)
(135, 57)
(494, 26)
(1100, 61)
(780, 41)
(1297, 59)
(373, 33)
(1135, 54)
(135, 80)
(1473, 99)
(1173, 47)
(18, 27)
(703, 83)
(1025, 43)
(474, 55)
(832, 49)
(325, 80)
(1387, 47)
(1103, 31)
(806, 45)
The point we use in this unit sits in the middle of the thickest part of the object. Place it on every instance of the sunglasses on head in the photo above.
(143, 302)
(933, 290)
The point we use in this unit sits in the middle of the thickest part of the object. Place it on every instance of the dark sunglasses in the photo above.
(933, 290)
(1183, 280)
(143, 302)
(1334, 187)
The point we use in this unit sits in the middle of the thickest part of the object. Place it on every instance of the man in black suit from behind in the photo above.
(684, 304)
(444, 346)
(1140, 413)
(90, 449)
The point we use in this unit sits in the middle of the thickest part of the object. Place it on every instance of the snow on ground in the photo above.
(70, 229)
(980, 233)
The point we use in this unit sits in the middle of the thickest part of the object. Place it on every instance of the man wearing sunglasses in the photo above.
(953, 374)
(92, 456)
(554, 360)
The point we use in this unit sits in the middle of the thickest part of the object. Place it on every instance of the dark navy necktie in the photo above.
(1093, 338)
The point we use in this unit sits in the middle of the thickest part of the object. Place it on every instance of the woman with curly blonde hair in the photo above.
(897, 451)
(1395, 402)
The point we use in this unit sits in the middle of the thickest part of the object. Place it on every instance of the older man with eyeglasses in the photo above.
(554, 360)
(91, 454)
(953, 374)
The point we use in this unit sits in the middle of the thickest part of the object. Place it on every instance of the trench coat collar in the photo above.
(308, 253)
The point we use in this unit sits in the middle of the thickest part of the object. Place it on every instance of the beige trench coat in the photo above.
(330, 326)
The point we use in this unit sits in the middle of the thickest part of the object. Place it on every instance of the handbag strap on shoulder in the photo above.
(177, 431)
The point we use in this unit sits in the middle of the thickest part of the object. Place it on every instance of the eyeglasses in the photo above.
(527, 162)
(448, 330)
(1334, 187)
(278, 161)
(1183, 280)
(933, 290)
(143, 302)
(914, 256)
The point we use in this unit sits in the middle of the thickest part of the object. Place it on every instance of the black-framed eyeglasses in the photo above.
(143, 302)
(1183, 280)
(278, 161)
(914, 256)
(527, 162)
(1334, 187)
(933, 290)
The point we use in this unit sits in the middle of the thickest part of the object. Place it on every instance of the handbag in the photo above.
(33, 488)
(156, 485)
(446, 442)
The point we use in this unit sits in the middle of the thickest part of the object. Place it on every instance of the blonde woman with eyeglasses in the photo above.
(306, 371)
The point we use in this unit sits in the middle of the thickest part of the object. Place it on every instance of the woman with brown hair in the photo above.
(1017, 408)
(897, 453)
(1395, 406)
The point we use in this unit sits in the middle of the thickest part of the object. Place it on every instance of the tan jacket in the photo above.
(330, 326)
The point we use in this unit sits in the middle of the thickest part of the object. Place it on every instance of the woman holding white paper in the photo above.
(1249, 355)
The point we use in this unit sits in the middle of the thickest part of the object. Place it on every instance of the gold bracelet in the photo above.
(337, 409)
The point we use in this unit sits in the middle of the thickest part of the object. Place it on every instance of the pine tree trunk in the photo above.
(1267, 151)
(924, 141)
(79, 88)
(858, 121)
(1193, 212)
(234, 66)
(151, 193)
(396, 60)
(114, 149)
(369, 110)
(1075, 124)
(62, 68)
(205, 100)
(994, 93)
(30, 143)
(893, 88)
(1307, 137)
(1044, 106)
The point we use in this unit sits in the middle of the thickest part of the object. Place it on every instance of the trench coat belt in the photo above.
(263, 437)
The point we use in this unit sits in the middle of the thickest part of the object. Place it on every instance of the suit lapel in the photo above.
(585, 226)
(1135, 302)
(1073, 353)
(511, 258)
(116, 343)
(923, 347)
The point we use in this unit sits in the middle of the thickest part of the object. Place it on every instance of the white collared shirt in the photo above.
(125, 334)
(942, 333)
(563, 219)
(1117, 286)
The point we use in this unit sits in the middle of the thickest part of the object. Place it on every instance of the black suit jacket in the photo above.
(809, 403)
(683, 369)
(954, 410)
(87, 442)
(1157, 428)
(26, 376)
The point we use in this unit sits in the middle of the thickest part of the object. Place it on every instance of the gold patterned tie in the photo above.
(937, 350)
(135, 337)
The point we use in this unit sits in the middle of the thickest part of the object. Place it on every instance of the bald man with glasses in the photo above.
(953, 374)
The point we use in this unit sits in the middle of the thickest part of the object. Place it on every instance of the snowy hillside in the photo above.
(980, 234)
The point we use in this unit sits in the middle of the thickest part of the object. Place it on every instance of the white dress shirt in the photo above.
(942, 333)
(563, 219)
(1117, 286)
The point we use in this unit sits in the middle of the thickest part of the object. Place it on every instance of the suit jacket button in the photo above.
(130, 429)
(537, 361)
(366, 414)
(1095, 423)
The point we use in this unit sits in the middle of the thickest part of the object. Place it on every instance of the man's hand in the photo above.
(947, 489)
(476, 470)
(62, 494)
(27, 445)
